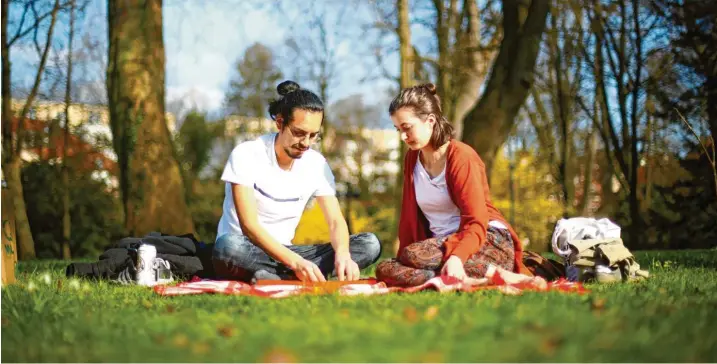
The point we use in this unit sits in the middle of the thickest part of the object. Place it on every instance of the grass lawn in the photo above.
(670, 317)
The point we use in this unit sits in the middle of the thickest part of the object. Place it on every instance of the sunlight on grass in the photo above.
(670, 317)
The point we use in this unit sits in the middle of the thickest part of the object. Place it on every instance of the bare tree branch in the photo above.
(711, 160)
(38, 79)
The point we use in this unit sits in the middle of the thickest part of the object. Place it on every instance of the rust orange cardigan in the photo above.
(468, 187)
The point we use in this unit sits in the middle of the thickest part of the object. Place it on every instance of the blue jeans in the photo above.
(236, 257)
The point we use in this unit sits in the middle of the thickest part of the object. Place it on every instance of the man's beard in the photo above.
(296, 151)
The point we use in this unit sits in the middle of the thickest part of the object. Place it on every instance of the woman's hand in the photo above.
(454, 268)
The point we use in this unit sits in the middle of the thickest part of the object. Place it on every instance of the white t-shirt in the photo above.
(432, 196)
(281, 196)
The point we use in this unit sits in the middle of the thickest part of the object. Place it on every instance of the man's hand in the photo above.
(454, 268)
(307, 271)
(346, 268)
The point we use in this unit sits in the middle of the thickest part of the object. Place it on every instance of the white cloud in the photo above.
(203, 40)
(184, 98)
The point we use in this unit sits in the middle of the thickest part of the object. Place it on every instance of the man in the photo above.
(268, 183)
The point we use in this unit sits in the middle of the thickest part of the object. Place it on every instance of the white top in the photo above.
(281, 196)
(435, 202)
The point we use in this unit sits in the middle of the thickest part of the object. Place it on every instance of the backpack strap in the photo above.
(543, 267)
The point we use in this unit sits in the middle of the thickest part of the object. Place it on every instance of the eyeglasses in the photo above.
(301, 135)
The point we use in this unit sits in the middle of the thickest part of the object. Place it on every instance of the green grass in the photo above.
(670, 317)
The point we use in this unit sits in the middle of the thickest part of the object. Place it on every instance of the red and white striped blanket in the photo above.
(498, 279)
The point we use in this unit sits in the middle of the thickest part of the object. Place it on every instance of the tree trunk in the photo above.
(66, 220)
(472, 73)
(561, 110)
(649, 131)
(711, 87)
(613, 147)
(406, 80)
(25, 243)
(588, 174)
(635, 217)
(12, 145)
(150, 181)
(489, 123)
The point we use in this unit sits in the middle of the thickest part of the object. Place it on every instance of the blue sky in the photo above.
(204, 39)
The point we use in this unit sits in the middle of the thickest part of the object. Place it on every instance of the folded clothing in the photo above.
(186, 256)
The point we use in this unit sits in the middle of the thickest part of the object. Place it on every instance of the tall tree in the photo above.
(695, 45)
(488, 124)
(13, 130)
(692, 59)
(317, 52)
(66, 219)
(553, 111)
(463, 59)
(254, 85)
(150, 180)
(194, 144)
(621, 32)
(406, 80)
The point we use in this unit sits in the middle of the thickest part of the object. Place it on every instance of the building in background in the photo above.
(367, 152)
(91, 136)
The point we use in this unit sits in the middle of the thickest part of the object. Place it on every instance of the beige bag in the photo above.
(589, 254)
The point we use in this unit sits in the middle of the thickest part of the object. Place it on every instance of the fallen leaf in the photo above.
(279, 355)
(226, 331)
(537, 327)
(597, 304)
(345, 313)
(180, 341)
(432, 357)
(170, 309)
(59, 284)
(549, 346)
(431, 313)
(159, 339)
(200, 348)
(410, 314)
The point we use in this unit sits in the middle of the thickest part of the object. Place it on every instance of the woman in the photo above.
(448, 223)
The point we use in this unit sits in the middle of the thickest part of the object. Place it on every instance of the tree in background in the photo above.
(254, 85)
(489, 123)
(463, 55)
(194, 145)
(205, 192)
(95, 211)
(150, 179)
(13, 134)
(564, 134)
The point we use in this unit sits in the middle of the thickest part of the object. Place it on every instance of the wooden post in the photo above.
(9, 247)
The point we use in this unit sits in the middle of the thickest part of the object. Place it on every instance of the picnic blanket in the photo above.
(498, 279)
